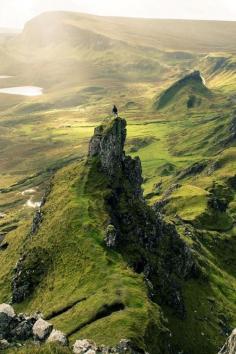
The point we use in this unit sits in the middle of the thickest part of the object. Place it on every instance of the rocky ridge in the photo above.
(138, 232)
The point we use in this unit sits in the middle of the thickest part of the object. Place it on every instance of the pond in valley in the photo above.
(23, 91)
(5, 76)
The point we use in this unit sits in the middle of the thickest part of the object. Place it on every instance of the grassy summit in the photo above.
(188, 91)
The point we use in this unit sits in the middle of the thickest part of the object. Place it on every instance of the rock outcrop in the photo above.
(231, 138)
(230, 345)
(15, 329)
(84, 346)
(150, 245)
(38, 216)
(28, 271)
(193, 170)
(108, 143)
(42, 329)
(4, 344)
(57, 337)
(7, 316)
(110, 237)
(89, 347)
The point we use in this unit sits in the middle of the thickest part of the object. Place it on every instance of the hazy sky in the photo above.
(14, 13)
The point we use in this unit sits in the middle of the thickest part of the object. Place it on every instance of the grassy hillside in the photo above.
(199, 36)
(188, 92)
(87, 290)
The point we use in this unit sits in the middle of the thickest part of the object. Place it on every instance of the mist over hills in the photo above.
(203, 36)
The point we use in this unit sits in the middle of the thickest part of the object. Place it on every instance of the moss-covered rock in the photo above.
(30, 269)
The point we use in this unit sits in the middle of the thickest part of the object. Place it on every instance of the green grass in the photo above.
(40, 349)
(188, 202)
(81, 269)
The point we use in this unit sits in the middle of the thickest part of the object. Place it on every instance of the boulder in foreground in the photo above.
(42, 329)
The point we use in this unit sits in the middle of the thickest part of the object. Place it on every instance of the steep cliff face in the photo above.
(107, 145)
(149, 244)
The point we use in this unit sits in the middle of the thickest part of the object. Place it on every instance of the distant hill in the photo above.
(201, 36)
(57, 29)
(65, 48)
(188, 92)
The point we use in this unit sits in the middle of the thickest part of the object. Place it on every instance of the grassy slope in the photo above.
(44, 349)
(82, 272)
(200, 36)
(188, 92)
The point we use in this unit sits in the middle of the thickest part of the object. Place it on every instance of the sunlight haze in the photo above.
(14, 13)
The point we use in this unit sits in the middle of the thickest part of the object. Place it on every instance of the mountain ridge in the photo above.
(191, 87)
(128, 29)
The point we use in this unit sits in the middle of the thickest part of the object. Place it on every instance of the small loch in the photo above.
(5, 76)
(30, 91)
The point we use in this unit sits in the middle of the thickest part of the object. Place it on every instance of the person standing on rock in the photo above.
(115, 111)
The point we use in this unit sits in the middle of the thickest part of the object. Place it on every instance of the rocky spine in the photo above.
(149, 244)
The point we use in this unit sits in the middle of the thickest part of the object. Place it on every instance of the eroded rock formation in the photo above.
(149, 244)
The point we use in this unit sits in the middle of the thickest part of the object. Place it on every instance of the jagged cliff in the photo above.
(149, 244)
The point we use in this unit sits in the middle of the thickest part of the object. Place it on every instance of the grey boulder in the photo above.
(4, 344)
(42, 329)
(7, 315)
(23, 328)
(57, 337)
(84, 346)
(111, 236)
(8, 310)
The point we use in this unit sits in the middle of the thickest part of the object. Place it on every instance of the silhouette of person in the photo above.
(115, 111)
